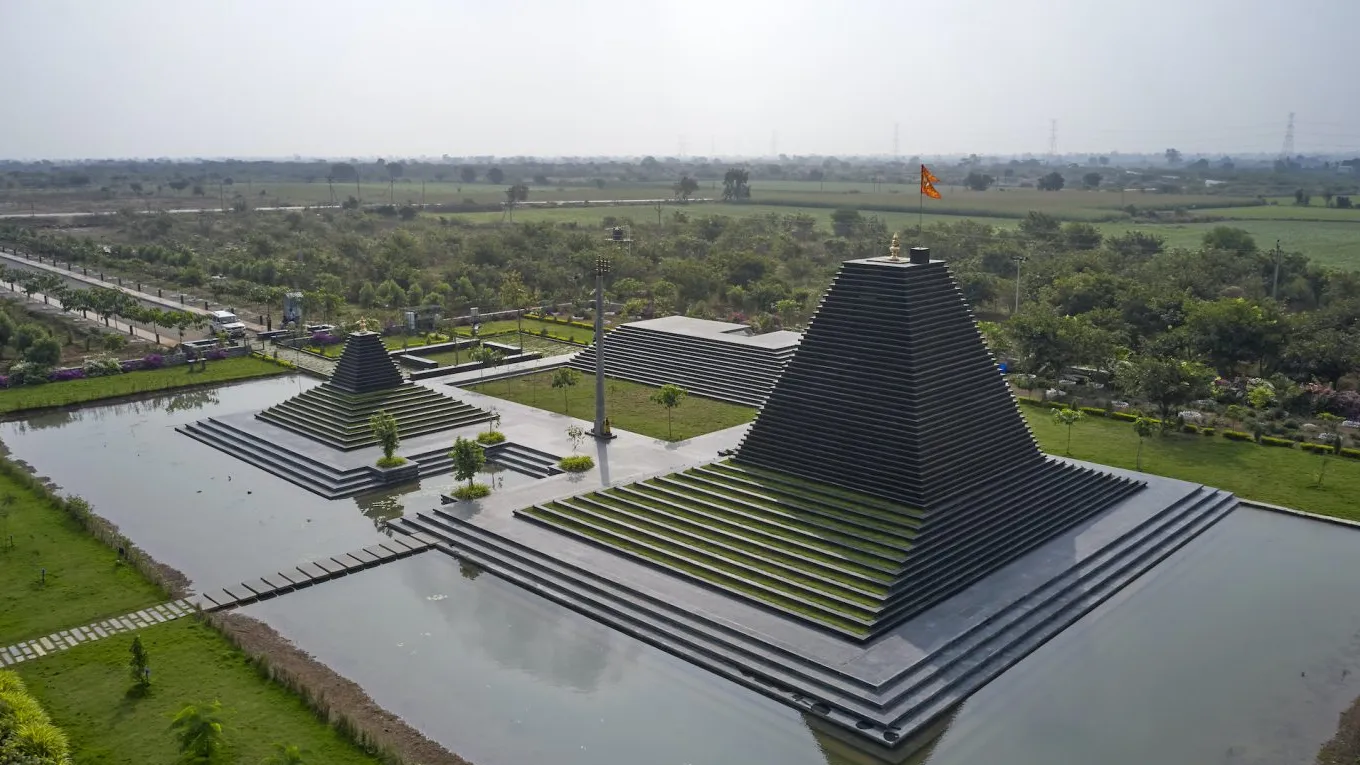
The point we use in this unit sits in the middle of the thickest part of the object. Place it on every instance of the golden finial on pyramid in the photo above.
(363, 324)
(895, 248)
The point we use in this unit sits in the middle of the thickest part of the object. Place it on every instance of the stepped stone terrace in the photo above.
(321, 439)
(886, 538)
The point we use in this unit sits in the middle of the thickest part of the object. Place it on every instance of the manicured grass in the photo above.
(83, 582)
(628, 403)
(530, 327)
(128, 383)
(85, 690)
(1269, 474)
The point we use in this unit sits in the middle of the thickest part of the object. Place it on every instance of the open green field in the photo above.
(1265, 473)
(1288, 211)
(128, 383)
(641, 216)
(530, 326)
(1329, 244)
(84, 583)
(629, 405)
(85, 690)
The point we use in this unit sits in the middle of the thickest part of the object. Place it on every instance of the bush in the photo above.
(1237, 435)
(1189, 428)
(1206, 431)
(1353, 454)
(217, 354)
(1094, 411)
(1125, 416)
(153, 361)
(475, 491)
(1273, 441)
(577, 463)
(27, 735)
(102, 366)
(391, 462)
(26, 373)
(62, 375)
(1316, 448)
(325, 338)
(490, 437)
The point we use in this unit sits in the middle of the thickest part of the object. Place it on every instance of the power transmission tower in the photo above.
(1052, 139)
(1288, 150)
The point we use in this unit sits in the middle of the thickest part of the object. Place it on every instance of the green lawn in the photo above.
(629, 407)
(93, 389)
(530, 326)
(83, 583)
(85, 690)
(1269, 474)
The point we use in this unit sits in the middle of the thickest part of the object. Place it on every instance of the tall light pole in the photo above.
(1018, 260)
(1275, 285)
(619, 238)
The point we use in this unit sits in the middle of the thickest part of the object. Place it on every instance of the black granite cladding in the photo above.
(365, 366)
(892, 392)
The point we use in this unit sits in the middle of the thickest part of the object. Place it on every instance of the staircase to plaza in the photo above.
(739, 372)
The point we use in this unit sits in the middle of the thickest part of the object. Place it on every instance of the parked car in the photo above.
(225, 322)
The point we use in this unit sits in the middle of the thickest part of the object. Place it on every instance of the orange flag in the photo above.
(928, 181)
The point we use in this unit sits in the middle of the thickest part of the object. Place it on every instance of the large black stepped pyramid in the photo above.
(707, 358)
(888, 469)
(365, 382)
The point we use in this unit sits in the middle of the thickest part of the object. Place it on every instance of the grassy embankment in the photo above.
(1269, 474)
(86, 689)
(130, 383)
(630, 407)
(86, 692)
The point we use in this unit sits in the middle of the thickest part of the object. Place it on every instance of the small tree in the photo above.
(1143, 427)
(566, 378)
(468, 458)
(199, 731)
(285, 754)
(1067, 417)
(385, 430)
(1329, 425)
(139, 665)
(670, 397)
(575, 434)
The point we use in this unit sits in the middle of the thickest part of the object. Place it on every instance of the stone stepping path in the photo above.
(60, 641)
(314, 572)
(251, 591)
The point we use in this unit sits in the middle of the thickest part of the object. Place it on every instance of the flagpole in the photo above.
(921, 212)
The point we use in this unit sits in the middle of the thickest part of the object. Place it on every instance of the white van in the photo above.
(226, 322)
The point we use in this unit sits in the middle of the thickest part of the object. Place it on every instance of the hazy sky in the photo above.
(98, 78)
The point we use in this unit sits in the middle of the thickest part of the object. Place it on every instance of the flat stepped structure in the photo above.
(366, 381)
(891, 420)
(707, 358)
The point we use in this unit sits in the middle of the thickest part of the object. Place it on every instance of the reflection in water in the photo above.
(837, 751)
(196, 399)
(532, 636)
(385, 504)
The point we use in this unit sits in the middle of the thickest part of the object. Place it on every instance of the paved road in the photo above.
(286, 208)
(169, 338)
(13, 257)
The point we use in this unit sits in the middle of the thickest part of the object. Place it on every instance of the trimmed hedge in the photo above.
(1317, 448)
(1125, 416)
(1093, 411)
(1281, 442)
(1236, 435)
(1190, 428)
(489, 437)
(1353, 454)
(577, 463)
(1206, 431)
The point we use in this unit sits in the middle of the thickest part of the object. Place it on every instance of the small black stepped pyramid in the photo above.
(893, 393)
(367, 381)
